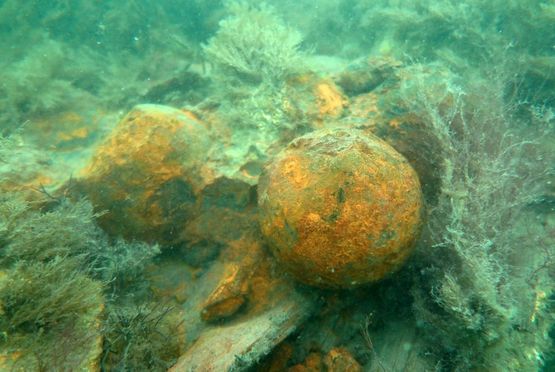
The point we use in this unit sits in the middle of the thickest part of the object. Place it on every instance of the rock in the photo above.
(340, 359)
(279, 358)
(226, 211)
(228, 296)
(340, 208)
(336, 360)
(383, 113)
(314, 100)
(240, 309)
(312, 363)
(148, 173)
(365, 75)
(40, 173)
(376, 105)
(67, 131)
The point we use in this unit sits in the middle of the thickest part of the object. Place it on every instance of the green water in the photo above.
(105, 252)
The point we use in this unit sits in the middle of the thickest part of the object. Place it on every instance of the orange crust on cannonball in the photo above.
(340, 208)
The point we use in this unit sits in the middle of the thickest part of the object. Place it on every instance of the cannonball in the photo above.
(147, 174)
(340, 208)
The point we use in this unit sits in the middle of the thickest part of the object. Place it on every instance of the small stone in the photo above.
(312, 363)
(340, 359)
(228, 297)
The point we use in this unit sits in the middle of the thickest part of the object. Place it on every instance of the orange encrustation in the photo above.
(340, 208)
(147, 173)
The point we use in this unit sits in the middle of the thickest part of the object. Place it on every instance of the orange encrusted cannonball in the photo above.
(340, 208)
(147, 174)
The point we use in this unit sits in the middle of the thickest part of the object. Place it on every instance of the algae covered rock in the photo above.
(340, 208)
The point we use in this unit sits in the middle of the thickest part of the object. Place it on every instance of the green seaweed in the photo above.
(68, 230)
(57, 268)
(143, 337)
(254, 46)
(476, 291)
(41, 295)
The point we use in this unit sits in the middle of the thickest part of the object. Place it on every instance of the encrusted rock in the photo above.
(148, 173)
(228, 296)
(340, 359)
(364, 75)
(312, 363)
(340, 208)
(315, 100)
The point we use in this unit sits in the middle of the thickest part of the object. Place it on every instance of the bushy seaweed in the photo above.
(480, 294)
(143, 337)
(254, 46)
(113, 58)
(55, 265)
(68, 230)
(42, 82)
(122, 264)
(39, 296)
(47, 300)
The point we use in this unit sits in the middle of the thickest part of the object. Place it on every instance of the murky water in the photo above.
(331, 185)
